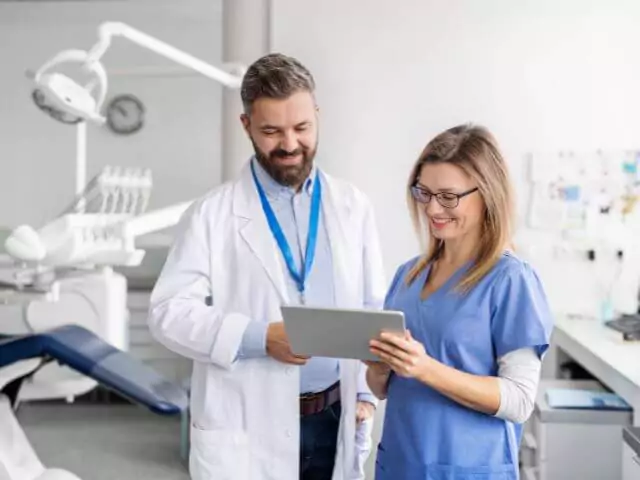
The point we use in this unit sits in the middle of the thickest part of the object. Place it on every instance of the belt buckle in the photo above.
(309, 396)
(311, 404)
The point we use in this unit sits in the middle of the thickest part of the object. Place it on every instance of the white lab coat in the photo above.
(245, 413)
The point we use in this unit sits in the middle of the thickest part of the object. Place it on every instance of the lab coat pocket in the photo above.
(219, 455)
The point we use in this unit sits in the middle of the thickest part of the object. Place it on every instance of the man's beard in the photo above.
(287, 175)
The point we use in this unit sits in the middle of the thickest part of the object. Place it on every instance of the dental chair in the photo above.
(83, 351)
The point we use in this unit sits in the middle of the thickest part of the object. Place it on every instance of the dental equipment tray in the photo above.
(628, 325)
(85, 352)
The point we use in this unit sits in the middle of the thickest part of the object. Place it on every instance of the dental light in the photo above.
(63, 98)
(100, 226)
(68, 101)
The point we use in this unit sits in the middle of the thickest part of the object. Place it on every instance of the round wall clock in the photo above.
(125, 114)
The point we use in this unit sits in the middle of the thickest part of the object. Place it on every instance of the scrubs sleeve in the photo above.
(398, 278)
(521, 315)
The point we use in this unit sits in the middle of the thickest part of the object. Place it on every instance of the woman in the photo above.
(463, 378)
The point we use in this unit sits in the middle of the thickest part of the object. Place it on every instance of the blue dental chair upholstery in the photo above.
(83, 351)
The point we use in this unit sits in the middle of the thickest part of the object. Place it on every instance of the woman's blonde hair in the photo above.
(474, 150)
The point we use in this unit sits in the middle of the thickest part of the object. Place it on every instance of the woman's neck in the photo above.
(457, 252)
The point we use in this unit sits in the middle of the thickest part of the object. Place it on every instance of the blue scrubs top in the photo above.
(425, 434)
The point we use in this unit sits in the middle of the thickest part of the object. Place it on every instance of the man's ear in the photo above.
(244, 118)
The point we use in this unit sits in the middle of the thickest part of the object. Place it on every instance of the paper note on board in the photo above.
(546, 211)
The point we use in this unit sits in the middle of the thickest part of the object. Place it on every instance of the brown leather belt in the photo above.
(312, 403)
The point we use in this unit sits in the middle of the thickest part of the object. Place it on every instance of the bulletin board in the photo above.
(583, 192)
(583, 222)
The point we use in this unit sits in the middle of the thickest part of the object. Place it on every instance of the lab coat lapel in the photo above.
(255, 231)
(336, 217)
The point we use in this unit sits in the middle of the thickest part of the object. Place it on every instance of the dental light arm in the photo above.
(169, 216)
(117, 29)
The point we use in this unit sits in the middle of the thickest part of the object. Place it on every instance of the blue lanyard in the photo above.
(276, 230)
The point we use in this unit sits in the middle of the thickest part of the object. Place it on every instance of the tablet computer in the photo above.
(337, 333)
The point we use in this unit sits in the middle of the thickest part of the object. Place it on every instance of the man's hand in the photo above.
(278, 345)
(380, 369)
(378, 377)
(364, 411)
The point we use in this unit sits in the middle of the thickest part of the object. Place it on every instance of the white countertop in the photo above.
(624, 356)
(603, 352)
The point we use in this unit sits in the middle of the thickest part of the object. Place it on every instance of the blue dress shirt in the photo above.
(292, 210)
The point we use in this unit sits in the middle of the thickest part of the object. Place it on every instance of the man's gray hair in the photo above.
(274, 76)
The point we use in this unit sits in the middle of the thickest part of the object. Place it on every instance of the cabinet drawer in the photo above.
(630, 463)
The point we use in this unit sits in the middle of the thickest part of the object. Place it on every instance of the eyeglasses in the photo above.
(446, 199)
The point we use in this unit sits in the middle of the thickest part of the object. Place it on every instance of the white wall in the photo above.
(541, 74)
(181, 139)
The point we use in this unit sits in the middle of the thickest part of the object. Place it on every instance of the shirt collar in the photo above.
(275, 190)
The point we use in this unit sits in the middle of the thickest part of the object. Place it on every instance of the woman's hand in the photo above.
(407, 357)
(402, 354)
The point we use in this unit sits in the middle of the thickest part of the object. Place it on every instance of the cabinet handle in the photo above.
(637, 459)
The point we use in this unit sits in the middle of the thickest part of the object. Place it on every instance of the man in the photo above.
(284, 233)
